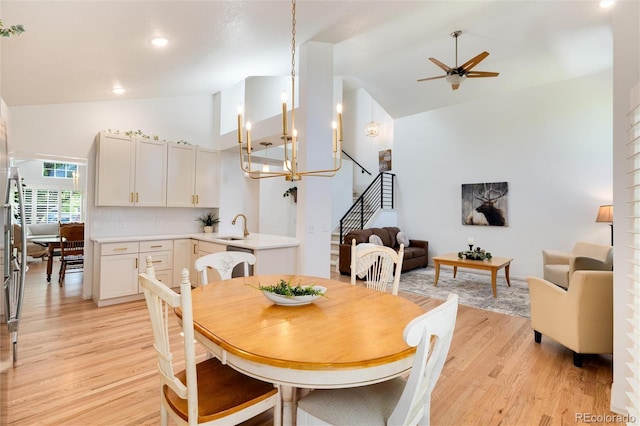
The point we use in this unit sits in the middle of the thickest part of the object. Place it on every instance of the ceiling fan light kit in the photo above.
(458, 74)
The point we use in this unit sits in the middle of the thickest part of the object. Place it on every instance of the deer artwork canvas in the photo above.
(485, 203)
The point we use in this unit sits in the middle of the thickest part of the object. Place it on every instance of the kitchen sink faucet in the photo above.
(233, 222)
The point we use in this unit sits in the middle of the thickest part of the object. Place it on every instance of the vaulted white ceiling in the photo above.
(76, 51)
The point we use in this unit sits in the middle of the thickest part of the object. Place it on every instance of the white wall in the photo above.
(31, 171)
(69, 129)
(362, 148)
(277, 213)
(552, 144)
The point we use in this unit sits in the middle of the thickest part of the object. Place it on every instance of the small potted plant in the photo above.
(208, 221)
(293, 191)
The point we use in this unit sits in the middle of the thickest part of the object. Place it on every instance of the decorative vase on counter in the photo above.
(208, 229)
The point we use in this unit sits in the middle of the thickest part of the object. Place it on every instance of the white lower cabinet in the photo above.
(118, 270)
(185, 252)
(120, 264)
(161, 253)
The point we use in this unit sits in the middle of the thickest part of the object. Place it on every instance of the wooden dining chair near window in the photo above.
(223, 263)
(207, 392)
(397, 401)
(71, 248)
(376, 265)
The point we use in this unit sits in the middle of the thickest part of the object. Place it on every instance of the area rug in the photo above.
(473, 289)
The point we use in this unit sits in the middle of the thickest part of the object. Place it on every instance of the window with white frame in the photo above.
(59, 170)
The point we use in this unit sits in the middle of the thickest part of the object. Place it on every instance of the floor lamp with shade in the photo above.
(605, 214)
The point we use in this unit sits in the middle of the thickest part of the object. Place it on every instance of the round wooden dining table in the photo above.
(350, 337)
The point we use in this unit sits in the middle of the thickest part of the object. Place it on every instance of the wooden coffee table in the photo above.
(493, 265)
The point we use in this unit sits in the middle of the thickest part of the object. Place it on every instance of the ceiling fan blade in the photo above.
(432, 78)
(440, 64)
(455, 86)
(474, 61)
(475, 74)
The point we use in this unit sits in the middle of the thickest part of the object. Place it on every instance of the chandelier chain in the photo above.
(293, 38)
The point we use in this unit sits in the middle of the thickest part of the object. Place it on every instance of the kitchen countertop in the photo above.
(254, 241)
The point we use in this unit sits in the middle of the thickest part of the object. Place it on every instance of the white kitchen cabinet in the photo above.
(207, 187)
(115, 167)
(161, 252)
(130, 172)
(118, 270)
(151, 173)
(192, 176)
(185, 252)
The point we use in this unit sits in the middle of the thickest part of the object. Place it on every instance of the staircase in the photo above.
(378, 195)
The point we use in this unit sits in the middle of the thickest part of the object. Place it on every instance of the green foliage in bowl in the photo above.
(284, 288)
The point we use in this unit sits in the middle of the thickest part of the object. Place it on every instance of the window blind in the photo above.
(52, 205)
(633, 346)
(46, 205)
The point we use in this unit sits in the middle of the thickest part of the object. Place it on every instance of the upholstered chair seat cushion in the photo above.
(365, 405)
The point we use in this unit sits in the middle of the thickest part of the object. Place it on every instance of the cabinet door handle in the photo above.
(197, 199)
(120, 249)
(194, 249)
(136, 197)
(156, 261)
(156, 246)
(136, 263)
(131, 197)
(193, 201)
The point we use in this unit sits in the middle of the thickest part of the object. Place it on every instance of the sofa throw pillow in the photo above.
(374, 239)
(402, 238)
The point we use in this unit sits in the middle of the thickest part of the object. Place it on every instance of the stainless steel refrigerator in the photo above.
(15, 264)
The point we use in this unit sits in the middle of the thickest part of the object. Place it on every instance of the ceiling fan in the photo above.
(457, 75)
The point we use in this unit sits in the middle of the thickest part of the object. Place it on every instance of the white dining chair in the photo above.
(397, 401)
(376, 264)
(205, 393)
(224, 262)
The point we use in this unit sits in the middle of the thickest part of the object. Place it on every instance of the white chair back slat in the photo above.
(376, 264)
(161, 301)
(224, 262)
(432, 333)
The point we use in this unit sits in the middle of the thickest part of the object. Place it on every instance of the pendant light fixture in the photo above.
(372, 128)
(290, 171)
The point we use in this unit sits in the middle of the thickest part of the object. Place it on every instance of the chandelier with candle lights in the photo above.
(290, 169)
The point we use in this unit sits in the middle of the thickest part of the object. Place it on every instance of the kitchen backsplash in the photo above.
(122, 221)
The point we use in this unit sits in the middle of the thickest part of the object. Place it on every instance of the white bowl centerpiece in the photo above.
(283, 293)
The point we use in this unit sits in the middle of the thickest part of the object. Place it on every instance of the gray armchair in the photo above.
(560, 266)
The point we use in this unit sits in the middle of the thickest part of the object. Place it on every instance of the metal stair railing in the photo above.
(378, 195)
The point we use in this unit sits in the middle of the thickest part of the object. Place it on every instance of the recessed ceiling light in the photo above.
(118, 90)
(159, 41)
(606, 3)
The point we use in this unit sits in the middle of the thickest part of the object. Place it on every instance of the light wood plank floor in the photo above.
(83, 365)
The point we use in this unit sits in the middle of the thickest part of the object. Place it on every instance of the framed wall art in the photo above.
(485, 203)
(384, 160)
